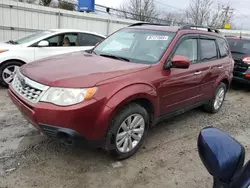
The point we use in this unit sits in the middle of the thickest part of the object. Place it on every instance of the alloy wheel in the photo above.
(9, 73)
(219, 98)
(130, 133)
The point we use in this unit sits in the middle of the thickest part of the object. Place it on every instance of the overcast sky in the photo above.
(241, 7)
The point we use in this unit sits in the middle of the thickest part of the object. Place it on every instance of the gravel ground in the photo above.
(168, 157)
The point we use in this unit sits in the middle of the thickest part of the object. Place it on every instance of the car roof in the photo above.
(75, 30)
(185, 29)
(158, 27)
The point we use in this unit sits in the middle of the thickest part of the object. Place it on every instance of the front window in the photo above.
(138, 46)
(30, 38)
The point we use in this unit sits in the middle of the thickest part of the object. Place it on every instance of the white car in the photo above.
(15, 53)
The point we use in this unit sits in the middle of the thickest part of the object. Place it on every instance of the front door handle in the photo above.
(197, 73)
(220, 67)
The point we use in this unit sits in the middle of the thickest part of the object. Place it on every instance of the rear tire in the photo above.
(124, 139)
(7, 72)
(216, 102)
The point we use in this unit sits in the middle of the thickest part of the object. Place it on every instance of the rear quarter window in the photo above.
(223, 47)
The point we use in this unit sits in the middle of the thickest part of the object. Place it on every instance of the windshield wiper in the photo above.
(237, 52)
(91, 51)
(115, 57)
(12, 42)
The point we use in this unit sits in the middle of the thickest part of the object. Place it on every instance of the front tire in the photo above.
(127, 131)
(216, 102)
(8, 71)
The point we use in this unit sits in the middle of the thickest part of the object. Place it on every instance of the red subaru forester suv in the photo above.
(110, 96)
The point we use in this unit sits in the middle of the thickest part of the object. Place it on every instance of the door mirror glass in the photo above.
(43, 43)
(180, 61)
(222, 155)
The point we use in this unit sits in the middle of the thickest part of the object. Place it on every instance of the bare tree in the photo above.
(173, 18)
(45, 2)
(67, 5)
(199, 11)
(141, 10)
(209, 13)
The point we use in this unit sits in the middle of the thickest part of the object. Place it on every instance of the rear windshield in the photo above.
(139, 46)
(239, 46)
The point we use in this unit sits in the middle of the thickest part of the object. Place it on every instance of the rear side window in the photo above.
(85, 39)
(223, 47)
(208, 50)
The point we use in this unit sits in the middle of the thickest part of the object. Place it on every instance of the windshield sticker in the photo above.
(157, 38)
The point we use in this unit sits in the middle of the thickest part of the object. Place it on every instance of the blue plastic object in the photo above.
(243, 180)
(86, 5)
(221, 154)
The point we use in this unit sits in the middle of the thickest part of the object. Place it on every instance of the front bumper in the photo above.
(69, 136)
(88, 121)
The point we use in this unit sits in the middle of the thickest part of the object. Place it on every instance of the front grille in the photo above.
(28, 89)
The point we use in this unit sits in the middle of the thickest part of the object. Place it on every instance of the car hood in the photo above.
(75, 70)
(5, 46)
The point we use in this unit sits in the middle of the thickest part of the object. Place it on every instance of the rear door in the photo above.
(211, 65)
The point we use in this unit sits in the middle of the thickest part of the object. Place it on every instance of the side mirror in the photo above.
(43, 43)
(181, 62)
(221, 154)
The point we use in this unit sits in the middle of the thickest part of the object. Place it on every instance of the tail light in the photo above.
(247, 75)
(246, 60)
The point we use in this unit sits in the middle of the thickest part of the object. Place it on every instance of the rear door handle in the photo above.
(197, 73)
(220, 67)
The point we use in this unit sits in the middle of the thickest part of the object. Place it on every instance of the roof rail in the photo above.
(209, 29)
(145, 23)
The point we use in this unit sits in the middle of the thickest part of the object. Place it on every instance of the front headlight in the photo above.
(67, 96)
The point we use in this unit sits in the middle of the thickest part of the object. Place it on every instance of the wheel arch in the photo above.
(226, 82)
(142, 94)
(9, 60)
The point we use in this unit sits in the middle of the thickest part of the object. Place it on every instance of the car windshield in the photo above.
(136, 45)
(30, 38)
(239, 46)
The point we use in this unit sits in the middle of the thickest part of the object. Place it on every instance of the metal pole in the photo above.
(59, 20)
(108, 26)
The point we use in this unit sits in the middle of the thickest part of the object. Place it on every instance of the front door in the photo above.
(60, 44)
(180, 87)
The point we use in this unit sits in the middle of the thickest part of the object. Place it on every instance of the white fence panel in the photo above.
(18, 19)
